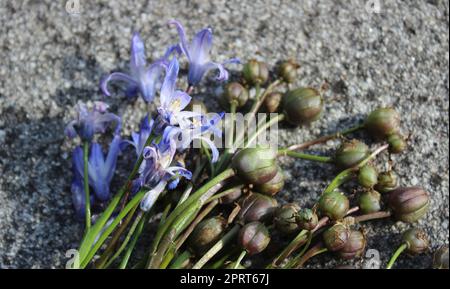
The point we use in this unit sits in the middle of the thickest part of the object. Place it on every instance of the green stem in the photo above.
(198, 195)
(314, 251)
(137, 198)
(137, 233)
(224, 193)
(86, 186)
(115, 238)
(180, 260)
(239, 259)
(262, 128)
(230, 139)
(323, 139)
(259, 100)
(217, 247)
(126, 240)
(397, 253)
(308, 157)
(89, 238)
(297, 258)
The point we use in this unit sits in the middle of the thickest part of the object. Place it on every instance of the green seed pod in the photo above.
(397, 143)
(383, 122)
(284, 219)
(417, 241)
(274, 186)
(302, 105)
(235, 92)
(255, 165)
(198, 106)
(334, 205)
(232, 265)
(368, 176)
(369, 202)
(256, 207)
(207, 233)
(307, 219)
(256, 72)
(440, 258)
(409, 204)
(335, 237)
(354, 247)
(254, 238)
(387, 181)
(351, 153)
(272, 101)
(287, 70)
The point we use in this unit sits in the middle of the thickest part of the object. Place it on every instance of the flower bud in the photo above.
(273, 186)
(284, 219)
(254, 237)
(397, 143)
(307, 219)
(383, 122)
(235, 92)
(335, 237)
(207, 233)
(302, 105)
(272, 102)
(417, 241)
(256, 72)
(288, 70)
(198, 106)
(334, 205)
(440, 258)
(387, 181)
(368, 176)
(255, 165)
(351, 153)
(409, 204)
(354, 247)
(256, 207)
(369, 202)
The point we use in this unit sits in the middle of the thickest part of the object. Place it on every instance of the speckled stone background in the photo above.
(50, 59)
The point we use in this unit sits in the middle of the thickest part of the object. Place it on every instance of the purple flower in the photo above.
(172, 101)
(89, 123)
(139, 139)
(157, 170)
(142, 78)
(200, 130)
(100, 170)
(79, 196)
(198, 54)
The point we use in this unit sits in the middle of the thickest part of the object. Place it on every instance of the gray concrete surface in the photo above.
(50, 59)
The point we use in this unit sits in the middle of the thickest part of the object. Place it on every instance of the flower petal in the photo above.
(117, 76)
(169, 83)
(137, 53)
(151, 196)
(183, 42)
(201, 47)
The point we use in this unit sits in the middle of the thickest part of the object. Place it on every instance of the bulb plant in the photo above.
(216, 207)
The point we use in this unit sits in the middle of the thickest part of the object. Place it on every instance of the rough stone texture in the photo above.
(51, 59)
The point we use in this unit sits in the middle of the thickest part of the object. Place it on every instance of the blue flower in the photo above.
(157, 170)
(139, 139)
(198, 54)
(100, 170)
(201, 129)
(172, 101)
(79, 196)
(89, 123)
(142, 78)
